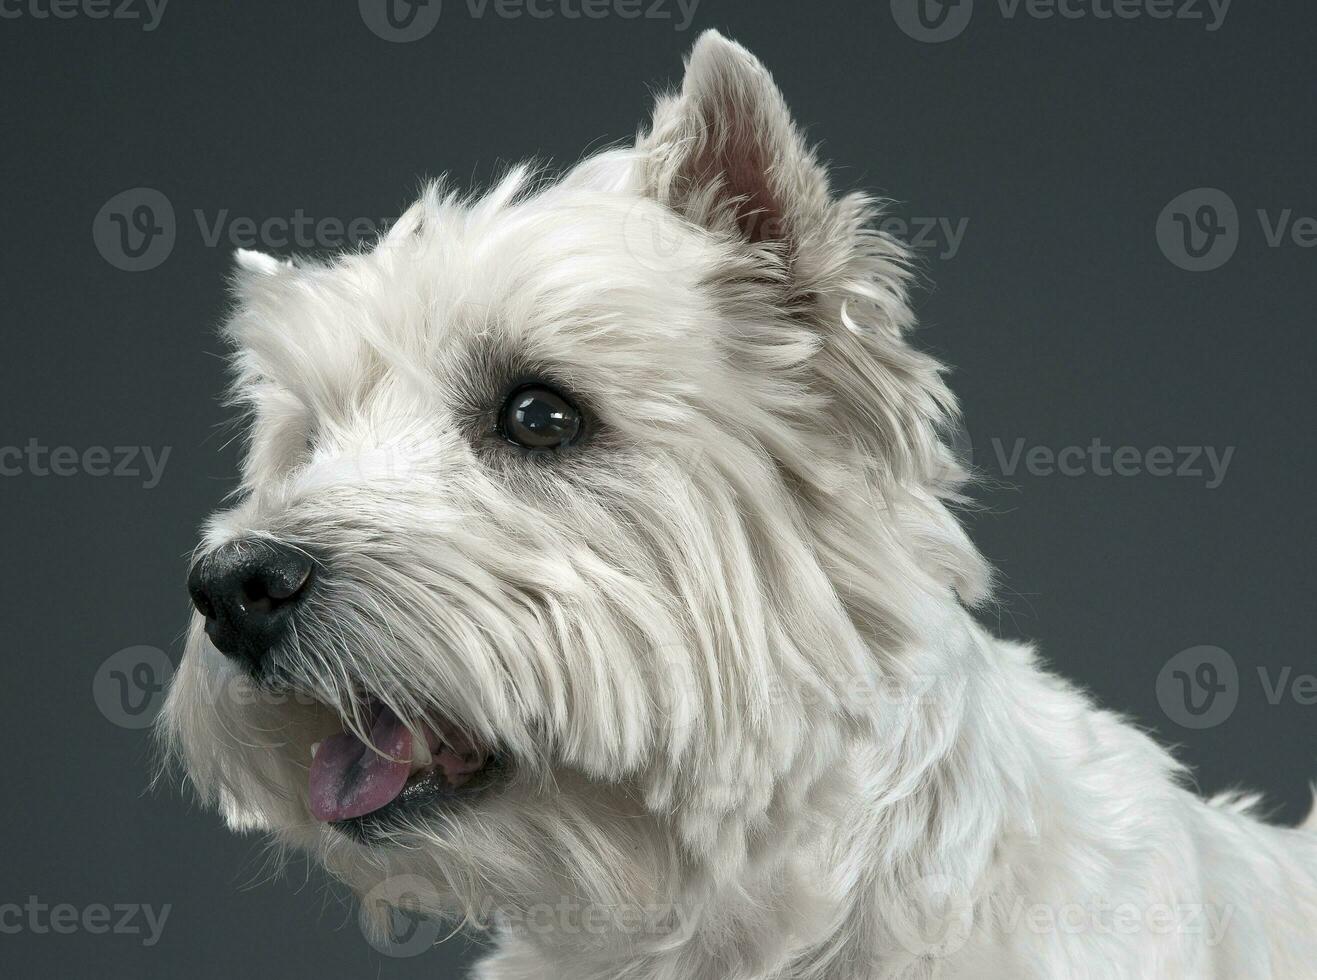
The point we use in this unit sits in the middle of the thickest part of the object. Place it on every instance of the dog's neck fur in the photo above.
(886, 841)
(1003, 796)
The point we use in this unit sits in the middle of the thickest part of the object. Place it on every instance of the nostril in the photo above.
(255, 597)
(287, 581)
(275, 585)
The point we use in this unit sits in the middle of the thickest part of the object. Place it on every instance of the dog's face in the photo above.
(574, 521)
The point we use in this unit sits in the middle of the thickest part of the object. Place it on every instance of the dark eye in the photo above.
(538, 417)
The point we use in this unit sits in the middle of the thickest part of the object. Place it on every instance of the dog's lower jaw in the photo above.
(1008, 830)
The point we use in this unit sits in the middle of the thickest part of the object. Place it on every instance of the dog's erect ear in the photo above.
(725, 153)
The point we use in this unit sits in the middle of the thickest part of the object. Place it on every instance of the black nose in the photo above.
(247, 590)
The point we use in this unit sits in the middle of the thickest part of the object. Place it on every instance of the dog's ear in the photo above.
(725, 154)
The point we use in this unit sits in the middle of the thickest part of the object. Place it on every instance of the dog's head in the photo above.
(603, 509)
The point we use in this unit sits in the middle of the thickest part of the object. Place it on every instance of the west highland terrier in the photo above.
(595, 573)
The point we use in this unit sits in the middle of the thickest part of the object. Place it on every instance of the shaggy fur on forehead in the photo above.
(726, 641)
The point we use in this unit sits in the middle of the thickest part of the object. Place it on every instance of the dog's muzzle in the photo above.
(381, 770)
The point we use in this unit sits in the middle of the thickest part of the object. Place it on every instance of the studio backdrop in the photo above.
(1115, 216)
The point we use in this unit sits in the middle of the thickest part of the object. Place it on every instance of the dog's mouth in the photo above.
(358, 786)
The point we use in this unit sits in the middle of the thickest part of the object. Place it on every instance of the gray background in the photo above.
(1061, 141)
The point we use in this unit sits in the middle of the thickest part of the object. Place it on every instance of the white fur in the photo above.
(756, 730)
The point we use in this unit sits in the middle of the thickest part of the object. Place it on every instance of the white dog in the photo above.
(595, 567)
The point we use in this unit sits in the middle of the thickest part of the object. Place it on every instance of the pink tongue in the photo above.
(349, 778)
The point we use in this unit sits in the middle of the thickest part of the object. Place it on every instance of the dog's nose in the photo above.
(247, 590)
